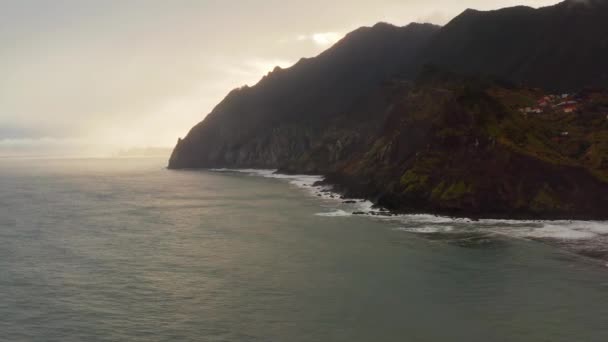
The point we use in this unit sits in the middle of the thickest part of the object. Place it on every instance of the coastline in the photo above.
(586, 238)
(334, 185)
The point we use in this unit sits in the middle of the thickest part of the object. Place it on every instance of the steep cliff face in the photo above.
(281, 117)
(465, 148)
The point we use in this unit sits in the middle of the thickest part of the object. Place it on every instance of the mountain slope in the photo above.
(462, 147)
(561, 48)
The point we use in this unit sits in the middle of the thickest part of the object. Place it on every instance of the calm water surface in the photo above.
(125, 250)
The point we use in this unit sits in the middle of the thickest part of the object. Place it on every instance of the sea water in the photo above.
(126, 250)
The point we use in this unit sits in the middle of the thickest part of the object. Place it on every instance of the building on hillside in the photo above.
(570, 108)
(531, 110)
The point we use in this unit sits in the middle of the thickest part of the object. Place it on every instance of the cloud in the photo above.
(50, 146)
(437, 17)
(322, 39)
(48, 141)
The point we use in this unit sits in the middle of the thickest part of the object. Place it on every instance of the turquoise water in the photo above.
(125, 250)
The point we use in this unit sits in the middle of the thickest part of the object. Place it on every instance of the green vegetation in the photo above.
(414, 182)
(553, 136)
(456, 191)
(417, 179)
(547, 200)
(438, 191)
(476, 132)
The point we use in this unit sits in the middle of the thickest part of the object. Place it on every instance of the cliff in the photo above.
(467, 147)
(278, 119)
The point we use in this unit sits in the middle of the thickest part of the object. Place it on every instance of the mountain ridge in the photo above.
(559, 47)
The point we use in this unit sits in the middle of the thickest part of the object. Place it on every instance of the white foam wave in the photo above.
(556, 230)
(549, 230)
(336, 213)
(365, 206)
(428, 229)
(560, 232)
(299, 180)
(426, 218)
(600, 228)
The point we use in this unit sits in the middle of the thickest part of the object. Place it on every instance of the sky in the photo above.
(103, 75)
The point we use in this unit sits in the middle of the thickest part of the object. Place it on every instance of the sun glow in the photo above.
(322, 39)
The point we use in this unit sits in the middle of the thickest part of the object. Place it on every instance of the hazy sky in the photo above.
(122, 73)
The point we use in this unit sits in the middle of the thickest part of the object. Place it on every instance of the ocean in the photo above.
(125, 250)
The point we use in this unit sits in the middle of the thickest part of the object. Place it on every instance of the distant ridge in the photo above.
(561, 47)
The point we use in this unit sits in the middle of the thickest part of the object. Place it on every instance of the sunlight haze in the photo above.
(109, 75)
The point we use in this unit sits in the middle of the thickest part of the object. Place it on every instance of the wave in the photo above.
(336, 213)
(304, 181)
(428, 229)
